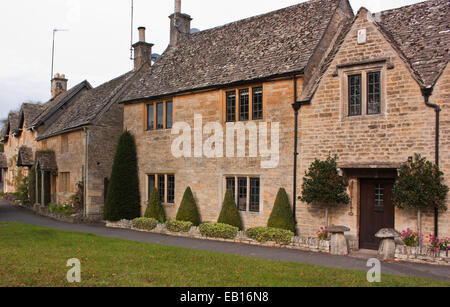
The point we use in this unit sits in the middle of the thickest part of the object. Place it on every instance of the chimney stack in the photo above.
(180, 25)
(59, 85)
(142, 50)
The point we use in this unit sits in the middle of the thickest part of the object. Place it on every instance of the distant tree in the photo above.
(230, 213)
(123, 200)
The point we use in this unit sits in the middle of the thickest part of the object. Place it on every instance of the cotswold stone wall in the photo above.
(11, 148)
(405, 127)
(68, 162)
(103, 138)
(206, 176)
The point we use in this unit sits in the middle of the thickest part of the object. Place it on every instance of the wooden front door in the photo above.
(377, 210)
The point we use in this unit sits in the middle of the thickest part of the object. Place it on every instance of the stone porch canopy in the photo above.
(25, 157)
(46, 161)
(3, 161)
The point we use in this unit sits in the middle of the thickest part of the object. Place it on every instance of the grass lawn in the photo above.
(37, 256)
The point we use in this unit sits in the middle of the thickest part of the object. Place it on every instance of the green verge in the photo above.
(37, 256)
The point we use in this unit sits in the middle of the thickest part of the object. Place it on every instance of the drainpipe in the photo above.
(85, 170)
(296, 106)
(426, 93)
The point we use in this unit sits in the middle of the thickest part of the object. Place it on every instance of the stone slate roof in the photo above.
(28, 113)
(269, 45)
(422, 33)
(3, 160)
(25, 157)
(54, 104)
(13, 123)
(86, 108)
(46, 160)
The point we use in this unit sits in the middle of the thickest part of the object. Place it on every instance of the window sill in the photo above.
(364, 117)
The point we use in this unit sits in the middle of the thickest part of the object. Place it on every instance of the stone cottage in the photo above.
(357, 82)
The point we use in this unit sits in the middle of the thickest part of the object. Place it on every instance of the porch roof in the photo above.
(3, 161)
(25, 157)
(46, 161)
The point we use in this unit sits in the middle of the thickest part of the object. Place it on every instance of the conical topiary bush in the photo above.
(123, 200)
(188, 211)
(155, 209)
(281, 216)
(230, 213)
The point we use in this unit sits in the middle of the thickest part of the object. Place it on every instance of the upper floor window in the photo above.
(160, 115)
(374, 93)
(354, 95)
(244, 104)
(64, 143)
(364, 93)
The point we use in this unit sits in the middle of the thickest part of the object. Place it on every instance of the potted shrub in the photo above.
(420, 186)
(324, 185)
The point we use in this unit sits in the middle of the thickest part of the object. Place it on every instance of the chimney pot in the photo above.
(141, 34)
(177, 6)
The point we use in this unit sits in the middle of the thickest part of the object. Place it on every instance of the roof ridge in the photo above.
(262, 15)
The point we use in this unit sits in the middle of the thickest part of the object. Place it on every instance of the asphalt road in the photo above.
(9, 213)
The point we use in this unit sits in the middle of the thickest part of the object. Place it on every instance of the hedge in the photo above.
(178, 226)
(268, 234)
(218, 230)
(145, 223)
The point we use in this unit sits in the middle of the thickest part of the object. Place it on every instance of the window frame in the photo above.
(64, 182)
(155, 105)
(248, 191)
(156, 178)
(364, 71)
(350, 95)
(237, 103)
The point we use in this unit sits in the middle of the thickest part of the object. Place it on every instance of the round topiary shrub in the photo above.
(123, 200)
(188, 211)
(281, 216)
(324, 185)
(230, 214)
(155, 209)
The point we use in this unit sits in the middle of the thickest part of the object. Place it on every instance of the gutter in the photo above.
(296, 106)
(213, 87)
(426, 93)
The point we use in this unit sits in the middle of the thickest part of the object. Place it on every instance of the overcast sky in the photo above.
(96, 47)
